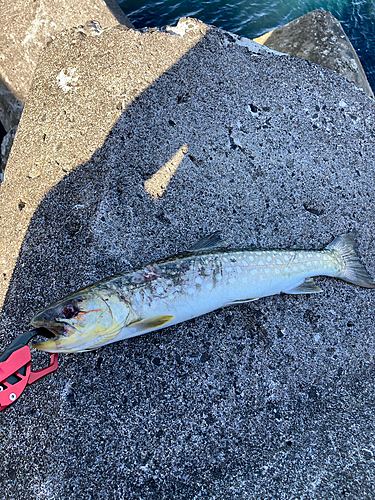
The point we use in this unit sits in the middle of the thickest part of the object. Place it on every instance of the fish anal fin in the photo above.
(308, 286)
(240, 301)
(209, 242)
(150, 323)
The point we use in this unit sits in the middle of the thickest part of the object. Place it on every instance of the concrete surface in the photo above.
(273, 399)
(319, 37)
(26, 28)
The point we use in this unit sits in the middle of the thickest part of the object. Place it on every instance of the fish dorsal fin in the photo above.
(209, 242)
(308, 286)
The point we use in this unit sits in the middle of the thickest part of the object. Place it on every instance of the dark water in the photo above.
(253, 18)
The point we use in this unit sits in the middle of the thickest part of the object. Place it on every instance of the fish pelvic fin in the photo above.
(240, 301)
(308, 286)
(354, 271)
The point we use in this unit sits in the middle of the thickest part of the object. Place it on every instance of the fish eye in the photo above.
(69, 311)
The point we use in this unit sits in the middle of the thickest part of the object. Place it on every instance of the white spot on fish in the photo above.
(295, 268)
(286, 269)
(302, 267)
(286, 257)
(207, 272)
(267, 270)
(238, 270)
(244, 279)
(229, 269)
(191, 291)
(244, 263)
(218, 276)
(198, 280)
(254, 272)
(160, 289)
(232, 280)
(251, 258)
(277, 270)
(278, 261)
(225, 259)
(269, 259)
(209, 286)
(260, 263)
(178, 288)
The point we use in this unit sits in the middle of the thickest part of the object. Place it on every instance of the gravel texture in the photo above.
(272, 399)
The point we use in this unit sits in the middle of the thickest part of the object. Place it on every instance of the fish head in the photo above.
(81, 321)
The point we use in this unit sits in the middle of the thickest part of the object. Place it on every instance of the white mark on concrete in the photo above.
(198, 280)
(209, 286)
(267, 270)
(260, 263)
(66, 80)
(229, 269)
(218, 276)
(191, 291)
(238, 270)
(254, 272)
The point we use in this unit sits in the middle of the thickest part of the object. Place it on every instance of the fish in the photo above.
(206, 277)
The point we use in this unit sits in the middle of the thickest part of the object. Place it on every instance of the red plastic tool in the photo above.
(15, 369)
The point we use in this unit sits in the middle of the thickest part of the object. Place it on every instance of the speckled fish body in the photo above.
(188, 285)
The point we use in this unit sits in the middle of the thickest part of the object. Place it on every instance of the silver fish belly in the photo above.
(203, 279)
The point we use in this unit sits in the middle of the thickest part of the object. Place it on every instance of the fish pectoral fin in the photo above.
(308, 286)
(209, 242)
(241, 301)
(150, 323)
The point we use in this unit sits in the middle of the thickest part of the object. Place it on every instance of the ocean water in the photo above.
(252, 18)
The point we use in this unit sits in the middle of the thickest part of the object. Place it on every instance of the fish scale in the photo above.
(206, 277)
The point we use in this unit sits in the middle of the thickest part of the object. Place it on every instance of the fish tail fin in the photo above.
(353, 271)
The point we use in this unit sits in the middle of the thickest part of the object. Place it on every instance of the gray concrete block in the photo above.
(26, 28)
(273, 399)
(318, 37)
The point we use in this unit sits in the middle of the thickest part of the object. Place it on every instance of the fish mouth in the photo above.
(57, 328)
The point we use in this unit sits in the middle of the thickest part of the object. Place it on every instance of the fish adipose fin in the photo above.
(209, 242)
(308, 286)
(150, 323)
(354, 271)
